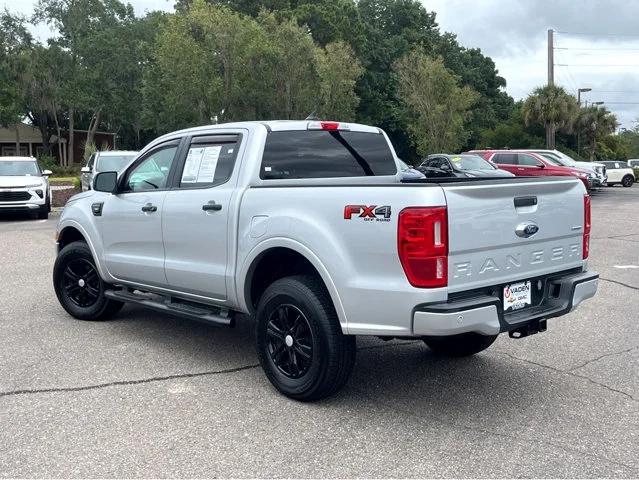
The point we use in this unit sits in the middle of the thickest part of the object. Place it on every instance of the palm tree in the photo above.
(552, 107)
(595, 123)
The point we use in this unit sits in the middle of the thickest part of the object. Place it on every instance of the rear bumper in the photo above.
(484, 313)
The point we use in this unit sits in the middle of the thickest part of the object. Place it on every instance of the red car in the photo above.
(524, 164)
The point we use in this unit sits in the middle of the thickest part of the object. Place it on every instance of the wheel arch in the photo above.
(279, 258)
(70, 231)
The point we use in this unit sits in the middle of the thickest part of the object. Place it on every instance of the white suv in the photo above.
(24, 187)
(107, 161)
(619, 172)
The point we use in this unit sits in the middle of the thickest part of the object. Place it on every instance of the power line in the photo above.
(598, 34)
(595, 65)
(599, 49)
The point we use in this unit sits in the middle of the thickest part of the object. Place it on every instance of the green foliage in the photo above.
(48, 162)
(630, 138)
(435, 105)
(512, 133)
(77, 183)
(596, 125)
(551, 105)
(338, 71)
(227, 60)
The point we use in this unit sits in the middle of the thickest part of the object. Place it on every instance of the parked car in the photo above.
(464, 165)
(406, 172)
(107, 161)
(599, 169)
(525, 163)
(633, 163)
(305, 226)
(24, 187)
(619, 172)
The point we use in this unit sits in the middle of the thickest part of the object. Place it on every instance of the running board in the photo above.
(201, 313)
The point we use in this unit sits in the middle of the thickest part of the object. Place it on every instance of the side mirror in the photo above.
(85, 170)
(106, 182)
(46, 173)
(542, 165)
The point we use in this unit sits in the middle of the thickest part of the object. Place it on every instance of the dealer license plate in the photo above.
(517, 296)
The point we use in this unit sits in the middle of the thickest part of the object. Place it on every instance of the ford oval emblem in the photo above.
(526, 230)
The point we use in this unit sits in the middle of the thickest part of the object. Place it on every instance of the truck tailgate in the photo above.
(489, 242)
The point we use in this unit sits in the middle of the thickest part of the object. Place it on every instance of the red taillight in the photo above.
(422, 243)
(586, 246)
(329, 125)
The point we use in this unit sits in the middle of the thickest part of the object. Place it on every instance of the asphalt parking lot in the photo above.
(155, 396)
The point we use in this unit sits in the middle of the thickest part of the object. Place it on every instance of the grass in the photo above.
(61, 179)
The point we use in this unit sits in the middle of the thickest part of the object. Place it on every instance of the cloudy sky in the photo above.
(597, 47)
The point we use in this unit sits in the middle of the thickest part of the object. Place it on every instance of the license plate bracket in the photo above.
(516, 296)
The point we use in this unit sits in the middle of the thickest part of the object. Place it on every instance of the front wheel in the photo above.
(43, 212)
(627, 181)
(78, 285)
(300, 343)
(462, 345)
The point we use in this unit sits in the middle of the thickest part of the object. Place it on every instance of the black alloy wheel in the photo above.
(81, 283)
(290, 341)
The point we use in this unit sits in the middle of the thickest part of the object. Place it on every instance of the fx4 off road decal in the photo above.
(368, 213)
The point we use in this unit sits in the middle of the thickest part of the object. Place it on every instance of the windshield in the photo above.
(470, 162)
(14, 168)
(113, 163)
(554, 160)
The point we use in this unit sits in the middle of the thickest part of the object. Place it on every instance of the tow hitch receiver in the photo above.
(530, 328)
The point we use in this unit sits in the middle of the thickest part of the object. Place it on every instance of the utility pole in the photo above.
(550, 128)
(551, 57)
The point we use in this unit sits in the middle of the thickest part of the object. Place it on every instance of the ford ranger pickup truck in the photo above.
(306, 227)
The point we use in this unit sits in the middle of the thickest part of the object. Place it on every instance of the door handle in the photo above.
(149, 208)
(211, 206)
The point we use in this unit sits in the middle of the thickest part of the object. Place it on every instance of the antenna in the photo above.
(312, 116)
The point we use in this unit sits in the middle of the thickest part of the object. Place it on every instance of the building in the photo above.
(31, 142)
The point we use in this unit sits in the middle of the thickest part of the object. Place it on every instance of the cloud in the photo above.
(514, 34)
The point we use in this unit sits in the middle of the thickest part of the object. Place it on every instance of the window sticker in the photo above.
(200, 164)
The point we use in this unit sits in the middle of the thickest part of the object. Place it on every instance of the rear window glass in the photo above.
(326, 154)
(505, 158)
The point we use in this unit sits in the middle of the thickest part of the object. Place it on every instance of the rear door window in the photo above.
(505, 158)
(209, 161)
(326, 154)
(527, 160)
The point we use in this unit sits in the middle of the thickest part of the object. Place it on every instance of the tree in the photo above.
(15, 45)
(552, 107)
(512, 132)
(595, 124)
(435, 105)
(77, 22)
(338, 70)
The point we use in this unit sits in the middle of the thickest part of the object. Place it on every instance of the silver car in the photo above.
(24, 187)
(107, 161)
(598, 178)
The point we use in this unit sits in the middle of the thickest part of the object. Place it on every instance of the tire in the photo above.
(462, 345)
(627, 181)
(86, 300)
(43, 213)
(299, 340)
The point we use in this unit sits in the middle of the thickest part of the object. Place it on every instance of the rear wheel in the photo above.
(78, 285)
(300, 343)
(627, 181)
(461, 345)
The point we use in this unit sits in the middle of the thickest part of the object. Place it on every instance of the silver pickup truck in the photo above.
(306, 227)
